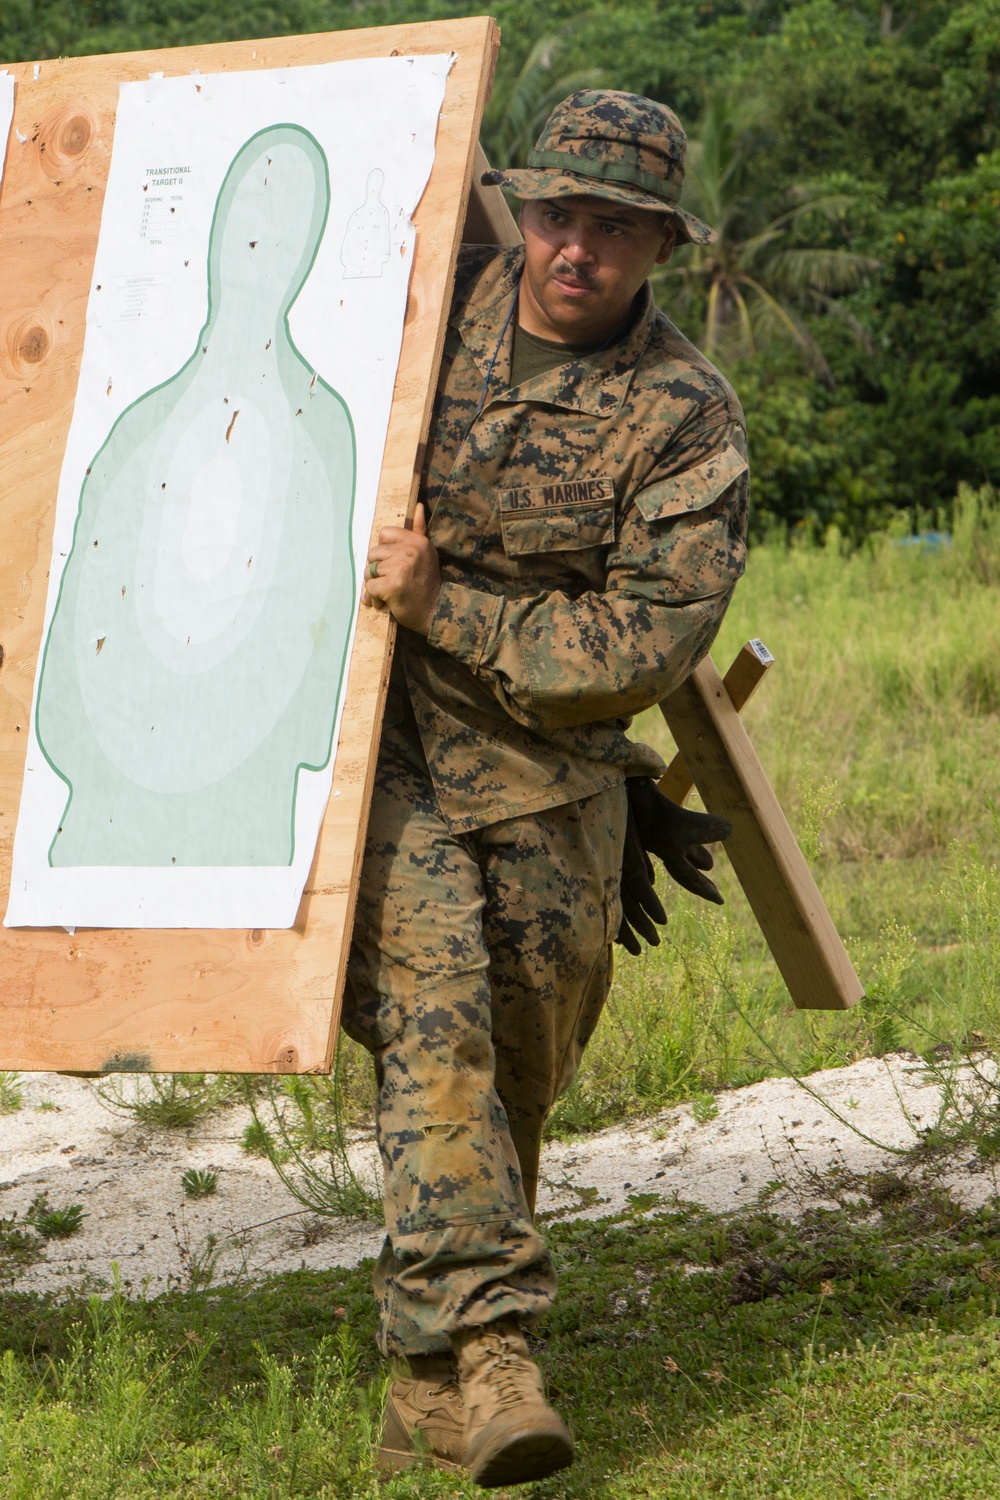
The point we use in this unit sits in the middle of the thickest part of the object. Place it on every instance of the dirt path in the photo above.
(773, 1139)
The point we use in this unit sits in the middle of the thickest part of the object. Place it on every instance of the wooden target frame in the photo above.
(181, 1000)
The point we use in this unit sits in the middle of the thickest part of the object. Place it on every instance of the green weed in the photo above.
(54, 1223)
(199, 1182)
(255, 1140)
(171, 1101)
(704, 1108)
(306, 1137)
(19, 1248)
(11, 1096)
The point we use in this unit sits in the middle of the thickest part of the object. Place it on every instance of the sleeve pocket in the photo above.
(694, 489)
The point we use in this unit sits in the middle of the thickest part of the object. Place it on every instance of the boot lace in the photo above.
(441, 1387)
(507, 1374)
(447, 1390)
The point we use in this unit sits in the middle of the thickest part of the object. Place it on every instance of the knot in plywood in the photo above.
(75, 137)
(29, 341)
(33, 345)
(65, 138)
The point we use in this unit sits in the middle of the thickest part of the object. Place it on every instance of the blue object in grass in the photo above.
(929, 539)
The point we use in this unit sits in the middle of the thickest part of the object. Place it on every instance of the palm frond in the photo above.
(774, 317)
(832, 206)
(712, 319)
(826, 271)
(755, 248)
(520, 105)
(746, 322)
(752, 284)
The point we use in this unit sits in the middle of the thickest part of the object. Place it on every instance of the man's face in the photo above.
(585, 260)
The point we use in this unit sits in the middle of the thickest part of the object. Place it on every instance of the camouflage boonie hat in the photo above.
(610, 145)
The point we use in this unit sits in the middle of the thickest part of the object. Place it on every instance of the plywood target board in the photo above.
(225, 277)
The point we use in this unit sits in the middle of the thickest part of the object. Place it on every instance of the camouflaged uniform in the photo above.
(590, 527)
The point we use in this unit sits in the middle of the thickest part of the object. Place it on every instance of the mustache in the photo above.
(566, 272)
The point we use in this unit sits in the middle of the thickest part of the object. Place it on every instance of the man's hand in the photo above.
(678, 837)
(407, 579)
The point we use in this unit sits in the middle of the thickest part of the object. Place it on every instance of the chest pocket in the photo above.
(571, 517)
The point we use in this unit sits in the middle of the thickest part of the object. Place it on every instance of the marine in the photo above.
(581, 527)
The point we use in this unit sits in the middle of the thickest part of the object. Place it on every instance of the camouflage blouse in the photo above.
(591, 527)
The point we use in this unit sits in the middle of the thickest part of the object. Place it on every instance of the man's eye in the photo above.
(612, 229)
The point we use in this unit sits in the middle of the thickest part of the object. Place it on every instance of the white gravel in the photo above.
(772, 1142)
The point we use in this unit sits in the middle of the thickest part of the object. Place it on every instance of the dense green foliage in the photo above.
(886, 111)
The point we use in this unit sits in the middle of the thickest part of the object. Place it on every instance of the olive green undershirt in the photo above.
(531, 356)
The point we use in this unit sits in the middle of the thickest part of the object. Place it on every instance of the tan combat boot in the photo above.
(424, 1415)
(511, 1433)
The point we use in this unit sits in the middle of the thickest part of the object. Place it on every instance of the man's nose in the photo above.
(578, 246)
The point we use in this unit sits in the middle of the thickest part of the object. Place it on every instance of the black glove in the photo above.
(678, 837)
(641, 906)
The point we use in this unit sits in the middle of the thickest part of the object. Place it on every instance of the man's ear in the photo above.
(666, 250)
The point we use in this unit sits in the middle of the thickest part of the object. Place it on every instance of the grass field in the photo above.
(879, 726)
(872, 1368)
(871, 1372)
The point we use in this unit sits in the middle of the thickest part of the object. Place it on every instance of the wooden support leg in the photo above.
(488, 220)
(742, 681)
(763, 851)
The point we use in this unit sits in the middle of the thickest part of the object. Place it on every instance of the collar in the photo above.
(596, 384)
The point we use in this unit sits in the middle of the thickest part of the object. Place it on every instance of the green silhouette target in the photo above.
(198, 645)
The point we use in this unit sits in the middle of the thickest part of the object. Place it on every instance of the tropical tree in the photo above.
(756, 283)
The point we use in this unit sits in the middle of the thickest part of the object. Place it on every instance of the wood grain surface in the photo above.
(238, 1001)
(762, 848)
(742, 681)
(489, 221)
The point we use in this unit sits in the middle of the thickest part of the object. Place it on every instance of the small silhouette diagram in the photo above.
(197, 648)
(368, 239)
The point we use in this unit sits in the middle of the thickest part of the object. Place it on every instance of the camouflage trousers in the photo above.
(479, 967)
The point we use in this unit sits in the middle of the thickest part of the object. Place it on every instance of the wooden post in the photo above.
(488, 221)
(768, 862)
(742, 680)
